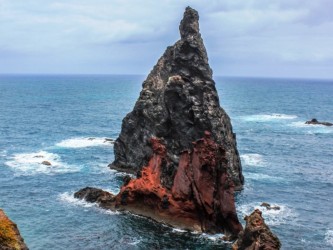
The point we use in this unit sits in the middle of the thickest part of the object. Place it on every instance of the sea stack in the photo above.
(179, 143)
(177, 104)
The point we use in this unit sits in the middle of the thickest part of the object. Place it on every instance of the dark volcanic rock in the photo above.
(10, 238)
(179, 142)
(46, 163)
(91, 194)
(269, 207)
(177, 104)
(256, 235)
(316, 122)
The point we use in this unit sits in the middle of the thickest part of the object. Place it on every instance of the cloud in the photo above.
(128, 36)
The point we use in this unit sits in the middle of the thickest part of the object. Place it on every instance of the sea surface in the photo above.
(66, 119)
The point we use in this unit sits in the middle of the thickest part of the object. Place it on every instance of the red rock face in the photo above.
(202, 194)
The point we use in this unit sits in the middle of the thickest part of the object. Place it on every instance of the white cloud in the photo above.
(96, 34)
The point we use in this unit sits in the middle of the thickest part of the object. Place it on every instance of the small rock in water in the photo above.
(256, 235)
(38, 156)
(90, 194)
(46, 163)
(269, 207)
(314, 121)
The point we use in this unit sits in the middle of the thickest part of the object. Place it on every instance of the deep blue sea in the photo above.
(65, 120)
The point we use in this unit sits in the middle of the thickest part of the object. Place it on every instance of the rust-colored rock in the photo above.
(201, 197)
(10, 238)
(256, 235)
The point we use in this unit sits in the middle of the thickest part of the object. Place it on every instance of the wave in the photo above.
(259, 176)
(329, 237)
(68, 197)
(212, 237)
(41, 162)
(83, 142)
(267, 117)
(312, 128)
(253, 159)
(272, 217)
(178, 230)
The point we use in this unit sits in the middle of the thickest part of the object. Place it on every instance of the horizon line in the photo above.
(133, 74)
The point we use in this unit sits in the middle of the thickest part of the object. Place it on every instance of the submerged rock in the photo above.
(256, 235)
(91, 194)
(178, 102)
(269, 207)
(316, 122)
(46, 163)
(10, 238)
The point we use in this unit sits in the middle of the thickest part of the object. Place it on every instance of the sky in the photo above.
(265, 38)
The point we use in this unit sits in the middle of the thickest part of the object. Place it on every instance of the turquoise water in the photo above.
(65, 120)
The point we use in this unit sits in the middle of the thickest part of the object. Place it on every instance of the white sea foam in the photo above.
(260, 176)
(212, 237)
(135, 242)
(68, 197)
(312, 128)
(329, 237)
(32, 163)
(83, 142)
(178, 230)
(253, 160)
(268, 117)
(272, 217)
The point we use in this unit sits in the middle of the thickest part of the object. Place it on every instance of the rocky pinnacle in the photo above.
(178, 102)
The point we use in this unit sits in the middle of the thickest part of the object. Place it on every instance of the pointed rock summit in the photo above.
(177, 104)
(180, 143)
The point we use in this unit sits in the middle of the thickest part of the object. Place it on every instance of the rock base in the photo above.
(201, 197)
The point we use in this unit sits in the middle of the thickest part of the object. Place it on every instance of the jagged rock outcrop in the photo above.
(316, 122)
(178, 103)
(201, 197)
(256, 235)
(180, 142)
(10, 238)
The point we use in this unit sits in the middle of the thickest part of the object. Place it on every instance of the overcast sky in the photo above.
(269, 38)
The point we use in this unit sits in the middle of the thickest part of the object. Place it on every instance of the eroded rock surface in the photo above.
(178, 103)
(179, 142)
(201, 197)
(256, 235)
(10, 238)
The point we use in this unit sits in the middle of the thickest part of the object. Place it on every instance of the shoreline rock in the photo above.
(201, 197)
(256, 234)
(10, 238)
(314, 121)
(178, 102)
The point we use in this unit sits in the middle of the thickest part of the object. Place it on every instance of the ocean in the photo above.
(65, 119)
